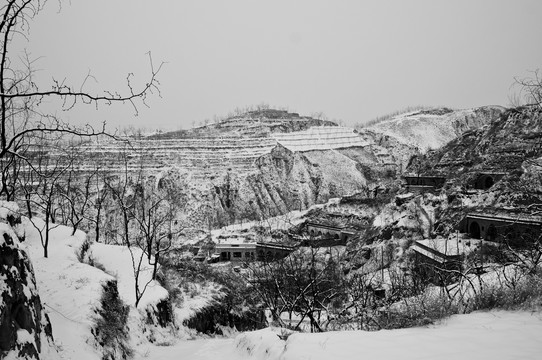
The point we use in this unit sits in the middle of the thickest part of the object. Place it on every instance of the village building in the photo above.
(338, 233)
(236, 252)
(514, 229)
(246, 252)
(438, 260)
(266, 251)
(423, 183)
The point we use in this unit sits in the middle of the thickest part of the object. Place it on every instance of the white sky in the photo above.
(353, 60)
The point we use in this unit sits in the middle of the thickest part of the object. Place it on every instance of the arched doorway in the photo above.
(488, 182)
(484, 182)
(474, 230)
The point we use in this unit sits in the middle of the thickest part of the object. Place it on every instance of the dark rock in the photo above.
(21, 308)
(209, 319)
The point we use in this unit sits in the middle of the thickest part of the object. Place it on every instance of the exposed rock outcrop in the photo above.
(25, 330)
(281, 181)
(213, 318)
(504, 145)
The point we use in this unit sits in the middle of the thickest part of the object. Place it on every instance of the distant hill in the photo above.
(257, 123)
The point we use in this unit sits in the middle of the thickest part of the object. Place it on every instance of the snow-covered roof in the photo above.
(446, 247)
(507, 217)
(244, 246)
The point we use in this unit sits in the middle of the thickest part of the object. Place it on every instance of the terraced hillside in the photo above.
(209, 156)
(255, 166)
(268, 162)
(201, 156)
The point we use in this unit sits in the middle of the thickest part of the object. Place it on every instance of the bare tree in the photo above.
(145, 210)
(95, 184)
(75, 196)
(44, 193)
(530, 89)
(20, 96)
(307, 283)
(155, 211)
(120, 187)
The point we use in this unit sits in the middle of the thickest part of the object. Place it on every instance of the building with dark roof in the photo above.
(502, 227)
(423, 183)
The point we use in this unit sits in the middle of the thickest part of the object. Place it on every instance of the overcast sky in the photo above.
(353, 60)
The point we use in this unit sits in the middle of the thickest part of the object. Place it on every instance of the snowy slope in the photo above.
(483, 335)
(68, 288)
(428, 130)
(71, 290)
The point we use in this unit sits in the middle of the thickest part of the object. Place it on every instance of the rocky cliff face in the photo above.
(280, 181)
(507, 151)
(504, 145)
(25, 330)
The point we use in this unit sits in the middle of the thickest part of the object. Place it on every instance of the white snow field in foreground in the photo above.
(495, 335)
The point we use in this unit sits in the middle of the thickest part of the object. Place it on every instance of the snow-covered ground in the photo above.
(483, 335)
(71, 290)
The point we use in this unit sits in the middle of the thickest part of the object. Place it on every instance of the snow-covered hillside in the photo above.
(70, 290)
(432, 129)
(320, 138)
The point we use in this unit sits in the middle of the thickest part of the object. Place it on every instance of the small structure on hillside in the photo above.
(486, 180)
(515, 229)
(438, 259)
(245, 252)
(423, 183)
(342, 234)
(267, 251)
(236, 252)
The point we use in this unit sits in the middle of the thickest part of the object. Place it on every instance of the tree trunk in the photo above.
(46, 243)
(155, 265)
(28, 208)
(97, 227)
